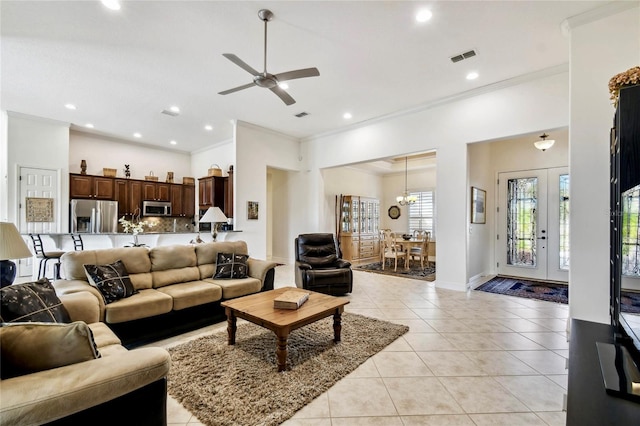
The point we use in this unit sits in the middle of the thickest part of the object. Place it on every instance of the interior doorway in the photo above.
(533, 224)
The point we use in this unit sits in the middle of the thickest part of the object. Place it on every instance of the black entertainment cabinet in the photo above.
(604, 358)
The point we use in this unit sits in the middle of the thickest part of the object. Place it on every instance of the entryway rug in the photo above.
(415, 271)
(239, 385)
(551, 292)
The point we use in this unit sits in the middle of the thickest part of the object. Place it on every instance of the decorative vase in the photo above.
(83, 167)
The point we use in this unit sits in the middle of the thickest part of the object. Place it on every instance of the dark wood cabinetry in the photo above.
(129, 193)
(85, 186)
(216, 191)
(183, 200)
(155, 191)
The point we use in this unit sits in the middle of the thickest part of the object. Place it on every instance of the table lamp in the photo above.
(214, 216)
(12, 246)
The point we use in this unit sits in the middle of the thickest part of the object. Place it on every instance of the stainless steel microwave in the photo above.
(156, 208)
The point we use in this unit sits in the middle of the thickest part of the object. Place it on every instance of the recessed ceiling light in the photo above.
(173, 142)
(347, 115)
(472, 75)
(208, 127)
(284, 86)
(111, 4)
(137, 135)
(70, 106)
(424, 15)
(89, 125)
(174, 109)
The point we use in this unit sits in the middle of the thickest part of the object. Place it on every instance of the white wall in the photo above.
(599, 50)
(37, 143)
(100, 151)
(393, 186)
(480, 235)
(514, 110)
(257, 149)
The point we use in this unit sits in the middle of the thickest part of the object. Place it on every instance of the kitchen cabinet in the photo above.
(216, 191)
(155, 191)
(188, 200)
(128, 194)
(95, 187)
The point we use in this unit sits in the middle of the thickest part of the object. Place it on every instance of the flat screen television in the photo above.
(620, 361)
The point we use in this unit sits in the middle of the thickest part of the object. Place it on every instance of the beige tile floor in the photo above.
(469, 359)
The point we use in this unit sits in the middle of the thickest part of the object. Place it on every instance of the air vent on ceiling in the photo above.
(302, 114)
(462, 56)
(169, 112)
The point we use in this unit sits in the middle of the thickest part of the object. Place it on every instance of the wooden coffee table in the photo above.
(258, 309)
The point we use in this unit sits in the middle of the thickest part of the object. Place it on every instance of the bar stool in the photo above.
(45, 256)
(78, 245)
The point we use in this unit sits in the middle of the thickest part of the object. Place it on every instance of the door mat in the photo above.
(551, 292)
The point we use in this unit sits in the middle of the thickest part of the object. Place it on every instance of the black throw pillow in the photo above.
(112, 281)
(231, 265)
(32, 302)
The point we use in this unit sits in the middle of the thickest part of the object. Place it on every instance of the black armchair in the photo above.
(319, 266)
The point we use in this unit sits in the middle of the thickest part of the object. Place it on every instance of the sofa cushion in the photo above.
(175, 276)
(103, 336)
(34, 301)
(186, 295)
(172, 257)
(207, 254)
(231, 265)
(112, 280)
(237, 287)
(146, 303)
(37, 346)
(135, 259)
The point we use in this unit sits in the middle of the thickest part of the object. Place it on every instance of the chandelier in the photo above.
(544, 144)
(405, 198)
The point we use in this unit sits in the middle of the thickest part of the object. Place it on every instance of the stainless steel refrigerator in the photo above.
(93, 216)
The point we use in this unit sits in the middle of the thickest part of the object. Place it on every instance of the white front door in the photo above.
(532, 239)
(39, 183)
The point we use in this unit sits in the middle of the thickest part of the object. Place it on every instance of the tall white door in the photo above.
(39, 183)
(532, 240)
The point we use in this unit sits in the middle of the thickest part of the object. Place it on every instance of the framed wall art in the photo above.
(39, 209)
(252, 210)
(478, 205)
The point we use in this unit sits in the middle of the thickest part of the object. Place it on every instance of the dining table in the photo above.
(407, 245)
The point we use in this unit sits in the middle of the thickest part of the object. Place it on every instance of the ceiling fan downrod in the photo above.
(265, 15)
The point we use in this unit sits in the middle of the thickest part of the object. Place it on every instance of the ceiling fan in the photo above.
(265, 79)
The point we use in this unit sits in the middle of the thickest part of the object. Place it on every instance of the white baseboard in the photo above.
(450, 285)
(478, 280)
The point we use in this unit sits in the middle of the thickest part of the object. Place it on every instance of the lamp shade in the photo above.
(213, 215)
(12, 246)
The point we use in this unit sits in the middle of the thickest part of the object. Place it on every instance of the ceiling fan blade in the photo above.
(291, 75)
(286, 98)
(235, 89)
(239, 62)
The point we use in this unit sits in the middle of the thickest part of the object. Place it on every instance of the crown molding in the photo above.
(596, 14)
(510, 82)
(41, 119)
(266, 130)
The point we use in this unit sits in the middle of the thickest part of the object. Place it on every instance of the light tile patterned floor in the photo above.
(470, 358)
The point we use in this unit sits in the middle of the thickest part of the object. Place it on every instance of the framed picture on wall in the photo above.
(252, 210)
(478, 205)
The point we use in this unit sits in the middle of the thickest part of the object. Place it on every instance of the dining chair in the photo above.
(392, 251)
(421, 252)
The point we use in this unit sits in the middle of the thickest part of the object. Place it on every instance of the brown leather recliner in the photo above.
(319, 266)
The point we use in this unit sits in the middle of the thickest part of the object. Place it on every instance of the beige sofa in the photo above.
(173, 282)
(113, 386)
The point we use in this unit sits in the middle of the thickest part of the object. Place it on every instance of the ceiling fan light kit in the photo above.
(265, 79)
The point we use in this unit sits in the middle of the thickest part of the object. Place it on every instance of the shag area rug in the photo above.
(551, 292)
(239, 385)
(415, 271)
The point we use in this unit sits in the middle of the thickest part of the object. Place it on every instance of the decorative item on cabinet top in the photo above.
(214, 170)
(188, 181)
(109, 172)
(151, 177)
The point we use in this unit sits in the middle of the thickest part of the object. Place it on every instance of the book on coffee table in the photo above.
(290, 300)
